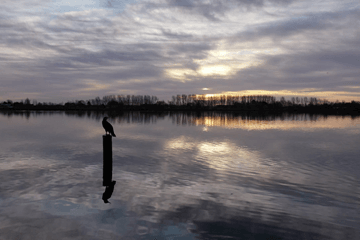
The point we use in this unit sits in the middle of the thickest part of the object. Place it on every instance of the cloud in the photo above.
(213, 10)
(162, 47)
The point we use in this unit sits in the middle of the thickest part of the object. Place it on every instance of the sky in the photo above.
(65, 50)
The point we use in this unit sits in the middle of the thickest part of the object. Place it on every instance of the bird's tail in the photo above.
(113, 134)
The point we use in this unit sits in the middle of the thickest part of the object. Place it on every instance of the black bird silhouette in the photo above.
(108, 127)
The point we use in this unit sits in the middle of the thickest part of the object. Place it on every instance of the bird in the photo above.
(108, 127)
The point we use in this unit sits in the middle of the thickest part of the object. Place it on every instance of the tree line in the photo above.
(219, 102)
(214, 100)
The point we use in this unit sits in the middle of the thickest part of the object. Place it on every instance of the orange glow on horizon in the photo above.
(328, 95)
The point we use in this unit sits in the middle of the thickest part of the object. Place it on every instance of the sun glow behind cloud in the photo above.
(219, 64)
(223, 62)
(211, 70)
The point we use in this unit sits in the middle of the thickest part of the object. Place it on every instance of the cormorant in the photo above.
(108, 127)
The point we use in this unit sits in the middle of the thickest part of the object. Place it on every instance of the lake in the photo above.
(180, 176)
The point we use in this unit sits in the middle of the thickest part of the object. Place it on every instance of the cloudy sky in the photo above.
(60, 50)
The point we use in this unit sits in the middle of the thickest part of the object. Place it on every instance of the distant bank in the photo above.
(258, 104)
(352, 108)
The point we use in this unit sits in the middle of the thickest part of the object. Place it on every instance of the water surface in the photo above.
(180, 176)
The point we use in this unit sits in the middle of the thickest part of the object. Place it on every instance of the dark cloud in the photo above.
(213, 10)
(314, 25)
(179, 36)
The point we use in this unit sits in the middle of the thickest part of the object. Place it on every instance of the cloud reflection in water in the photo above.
(174, 179)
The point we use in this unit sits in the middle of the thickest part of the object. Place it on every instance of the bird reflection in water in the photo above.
(108, 192)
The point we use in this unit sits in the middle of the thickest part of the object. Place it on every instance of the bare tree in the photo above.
(184, 99)
(306, 101)
(178, 99)
(293, 101)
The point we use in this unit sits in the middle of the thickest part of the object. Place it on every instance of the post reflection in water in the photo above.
(107, 168)
(108, 192)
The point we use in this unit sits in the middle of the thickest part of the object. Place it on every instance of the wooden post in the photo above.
(107, 160)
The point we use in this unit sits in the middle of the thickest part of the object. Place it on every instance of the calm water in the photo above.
(180, 176)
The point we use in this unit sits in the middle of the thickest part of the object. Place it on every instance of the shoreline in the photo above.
(278, 111)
